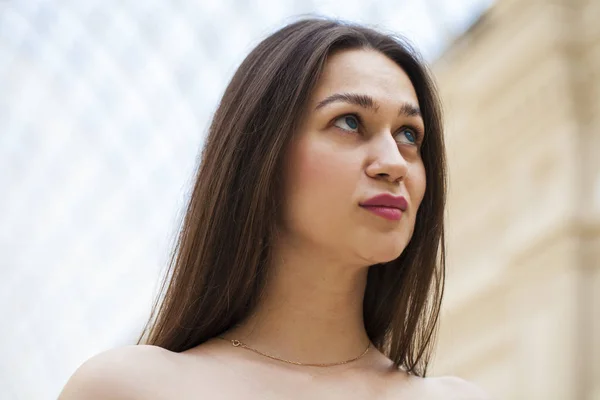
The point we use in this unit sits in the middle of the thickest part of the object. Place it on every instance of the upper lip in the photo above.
(387, 200)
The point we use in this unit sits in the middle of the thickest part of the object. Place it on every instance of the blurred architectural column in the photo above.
(522, 96)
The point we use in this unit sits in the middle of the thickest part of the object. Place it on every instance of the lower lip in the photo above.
(393, 214)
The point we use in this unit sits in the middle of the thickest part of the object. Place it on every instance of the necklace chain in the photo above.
(237, 343)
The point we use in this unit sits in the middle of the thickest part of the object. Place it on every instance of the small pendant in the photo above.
(236, 343)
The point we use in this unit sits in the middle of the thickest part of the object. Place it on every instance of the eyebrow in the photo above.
(367, 102)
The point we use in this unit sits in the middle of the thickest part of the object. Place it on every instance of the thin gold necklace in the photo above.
(237, 343)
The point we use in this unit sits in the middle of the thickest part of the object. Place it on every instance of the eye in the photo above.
(347, 122)
(412, 135)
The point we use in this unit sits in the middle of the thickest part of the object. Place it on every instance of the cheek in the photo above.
(320, 184)
(317, 168)
(418, 184)
(415, 185)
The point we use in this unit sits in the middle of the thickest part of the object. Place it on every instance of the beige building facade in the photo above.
(521, 91)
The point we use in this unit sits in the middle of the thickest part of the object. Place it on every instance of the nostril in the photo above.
(389, 178)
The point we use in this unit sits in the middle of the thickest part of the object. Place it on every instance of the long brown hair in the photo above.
(220, 262)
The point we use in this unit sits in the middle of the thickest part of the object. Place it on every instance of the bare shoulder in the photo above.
(129, 372)
(458, 389)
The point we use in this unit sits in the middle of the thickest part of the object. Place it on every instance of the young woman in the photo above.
(311, 259)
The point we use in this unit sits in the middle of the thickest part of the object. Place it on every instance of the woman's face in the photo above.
(359, 138)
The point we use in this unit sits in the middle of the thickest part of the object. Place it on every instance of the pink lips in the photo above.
(386, 206)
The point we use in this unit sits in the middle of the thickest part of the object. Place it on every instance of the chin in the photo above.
(379, 253)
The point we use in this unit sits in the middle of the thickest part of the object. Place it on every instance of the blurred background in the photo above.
(104, 107)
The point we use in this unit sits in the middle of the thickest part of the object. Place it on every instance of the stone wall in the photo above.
(521, 91)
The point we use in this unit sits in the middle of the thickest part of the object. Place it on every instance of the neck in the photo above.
(311, 310)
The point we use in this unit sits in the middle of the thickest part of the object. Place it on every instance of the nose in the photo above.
(386, 162)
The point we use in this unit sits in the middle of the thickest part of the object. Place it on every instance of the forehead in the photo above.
(367, 72)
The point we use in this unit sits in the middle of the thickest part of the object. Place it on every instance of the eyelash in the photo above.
(417, 131)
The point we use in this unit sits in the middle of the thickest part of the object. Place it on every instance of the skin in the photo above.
(312, 310)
